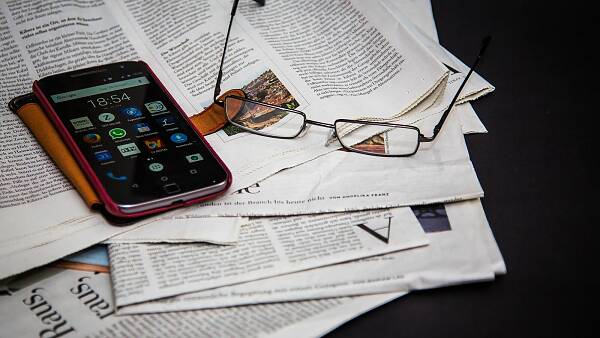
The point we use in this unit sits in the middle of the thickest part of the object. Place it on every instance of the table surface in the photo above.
(535, 173)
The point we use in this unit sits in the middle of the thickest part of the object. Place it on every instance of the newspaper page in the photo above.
(80, 304)
(462, 249)
(267, 247)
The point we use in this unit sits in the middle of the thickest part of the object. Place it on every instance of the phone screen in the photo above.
(132, 135)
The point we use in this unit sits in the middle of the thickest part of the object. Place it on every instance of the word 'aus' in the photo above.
(91, 299)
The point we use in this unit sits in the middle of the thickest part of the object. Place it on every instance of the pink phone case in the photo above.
(109, 204)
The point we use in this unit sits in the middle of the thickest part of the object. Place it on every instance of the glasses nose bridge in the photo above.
(320, 124)
(331, 137)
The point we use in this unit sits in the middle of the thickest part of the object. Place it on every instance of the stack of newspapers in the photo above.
(309, 236)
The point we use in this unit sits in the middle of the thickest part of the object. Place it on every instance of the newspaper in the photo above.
(462, 249)
(267, 247)
(79, 304)
(60, 36)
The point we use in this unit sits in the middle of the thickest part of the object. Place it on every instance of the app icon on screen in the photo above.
(166, 121)
(194, 158)
(81, 122)
(117, 133)
(154, 143)
(106, 117)
(155, 107)
(128, 149)
(156, 167)
(179, 138)
(91, 138)
(103, 155)
(142, 127)
(131, 112)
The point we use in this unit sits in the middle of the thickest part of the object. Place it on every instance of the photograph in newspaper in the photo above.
(265, 88)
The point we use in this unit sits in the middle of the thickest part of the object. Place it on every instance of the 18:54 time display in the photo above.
(112, 99)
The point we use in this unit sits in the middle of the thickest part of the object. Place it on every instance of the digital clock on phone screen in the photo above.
(103, 101)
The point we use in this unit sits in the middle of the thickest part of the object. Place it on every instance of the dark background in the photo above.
(535, 168)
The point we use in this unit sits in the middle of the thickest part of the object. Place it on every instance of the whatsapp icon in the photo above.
(116, 133)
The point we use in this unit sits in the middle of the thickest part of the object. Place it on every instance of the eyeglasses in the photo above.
(364, 137)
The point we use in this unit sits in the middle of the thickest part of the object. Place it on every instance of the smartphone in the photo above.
(137, 147)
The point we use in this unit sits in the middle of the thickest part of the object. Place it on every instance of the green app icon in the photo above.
(116, 133)
(106, 117)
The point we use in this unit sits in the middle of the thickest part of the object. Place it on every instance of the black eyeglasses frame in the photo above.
(333, 126)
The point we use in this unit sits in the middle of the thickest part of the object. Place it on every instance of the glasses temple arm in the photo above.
(436, 130)
(220, 75)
